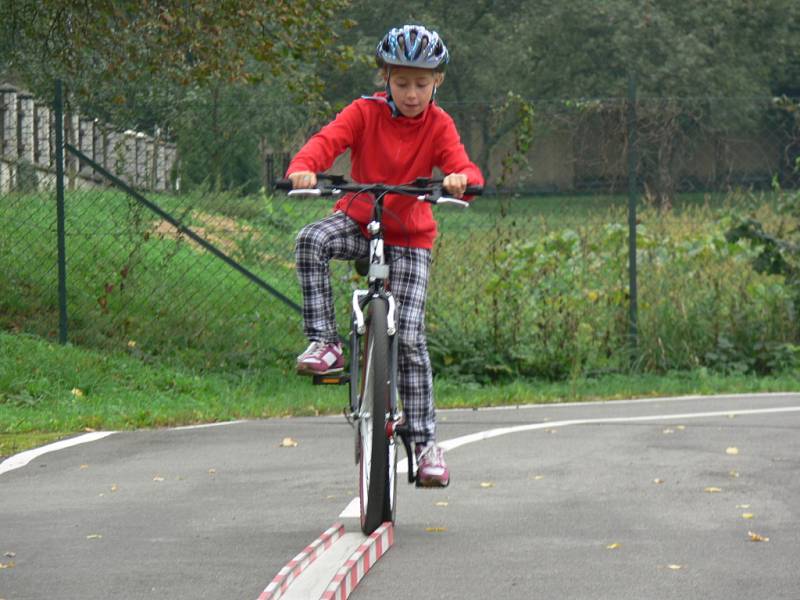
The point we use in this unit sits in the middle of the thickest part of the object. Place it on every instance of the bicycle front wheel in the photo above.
(376, 478)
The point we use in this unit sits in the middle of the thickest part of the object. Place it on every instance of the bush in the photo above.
(560, 304)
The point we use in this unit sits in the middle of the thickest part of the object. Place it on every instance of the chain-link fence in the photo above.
(531, 280)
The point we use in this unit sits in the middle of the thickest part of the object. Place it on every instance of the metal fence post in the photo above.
(632, 160)
(62, 254)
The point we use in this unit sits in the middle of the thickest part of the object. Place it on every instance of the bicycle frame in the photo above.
(378, 277)
(368, 394)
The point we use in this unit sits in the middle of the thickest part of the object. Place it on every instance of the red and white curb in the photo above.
(353, 571)
(281, 582)
(337, 571)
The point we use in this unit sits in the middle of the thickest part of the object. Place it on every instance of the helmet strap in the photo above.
(389, 99)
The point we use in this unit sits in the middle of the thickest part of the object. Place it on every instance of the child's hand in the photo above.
(455, 184)
(303, 180)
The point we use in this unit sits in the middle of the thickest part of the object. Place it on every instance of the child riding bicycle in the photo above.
(394, 137)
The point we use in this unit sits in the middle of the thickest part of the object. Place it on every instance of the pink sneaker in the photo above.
(321, 358)
(432, 469)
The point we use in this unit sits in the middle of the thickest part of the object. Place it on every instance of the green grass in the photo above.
(49, 391)
(129, 280)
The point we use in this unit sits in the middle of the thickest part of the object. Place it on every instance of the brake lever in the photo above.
(432, 196)
(456, 201)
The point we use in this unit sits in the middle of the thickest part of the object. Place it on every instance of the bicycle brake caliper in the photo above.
(391, 326)
(361, 327)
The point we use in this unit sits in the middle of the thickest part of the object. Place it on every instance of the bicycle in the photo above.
(374, 407)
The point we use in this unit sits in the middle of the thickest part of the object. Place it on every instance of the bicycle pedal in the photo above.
(332, 379)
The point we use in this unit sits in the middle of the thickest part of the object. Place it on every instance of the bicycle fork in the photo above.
(395, 419)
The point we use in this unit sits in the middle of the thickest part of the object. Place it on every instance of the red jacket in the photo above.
(391, 150)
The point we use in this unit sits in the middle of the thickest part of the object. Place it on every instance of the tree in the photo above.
(678, 50)
(685, 57)
(207, 71)
(137, 58)
(188, 42)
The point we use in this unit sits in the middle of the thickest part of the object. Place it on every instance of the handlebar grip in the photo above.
(473, 190)
(283, 184)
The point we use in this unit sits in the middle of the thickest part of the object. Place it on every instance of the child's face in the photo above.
(412, 89)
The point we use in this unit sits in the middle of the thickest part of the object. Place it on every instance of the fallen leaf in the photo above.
(712, 490)
(114, 487)
(288, 442)
(537, 477)
(675, 567)
(734, 474)
(747, 515)
(158, 478)
(436, 529)
(613, 546)
(658, 481)
(8, 565)
(84, 467)
(732, 451)
(442, 503)
(754, 537)
(212, 472)
(487, 484)
(94, 536)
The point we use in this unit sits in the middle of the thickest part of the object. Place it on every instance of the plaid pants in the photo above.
(338, 236)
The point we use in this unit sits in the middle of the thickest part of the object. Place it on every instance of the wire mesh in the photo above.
(529, 280)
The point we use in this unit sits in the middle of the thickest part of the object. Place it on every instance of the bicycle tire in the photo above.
(375, 480)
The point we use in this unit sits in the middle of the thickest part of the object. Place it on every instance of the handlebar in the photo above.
(423, 188)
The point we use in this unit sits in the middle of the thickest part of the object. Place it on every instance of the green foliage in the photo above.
(558, 303)
(523, 135)
(546, 297)
(185, 42)
(224, 131)
(777, 248)
(226, 81)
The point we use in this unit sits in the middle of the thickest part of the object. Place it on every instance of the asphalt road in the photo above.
(580, 505)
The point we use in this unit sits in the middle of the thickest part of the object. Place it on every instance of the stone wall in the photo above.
(27, 149)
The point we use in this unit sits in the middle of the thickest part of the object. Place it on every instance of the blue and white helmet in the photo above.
(412, 46)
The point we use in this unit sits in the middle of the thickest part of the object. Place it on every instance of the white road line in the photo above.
(491, 433)
(23, 458)
(208, 425)
(352, 509)
(653, 400)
